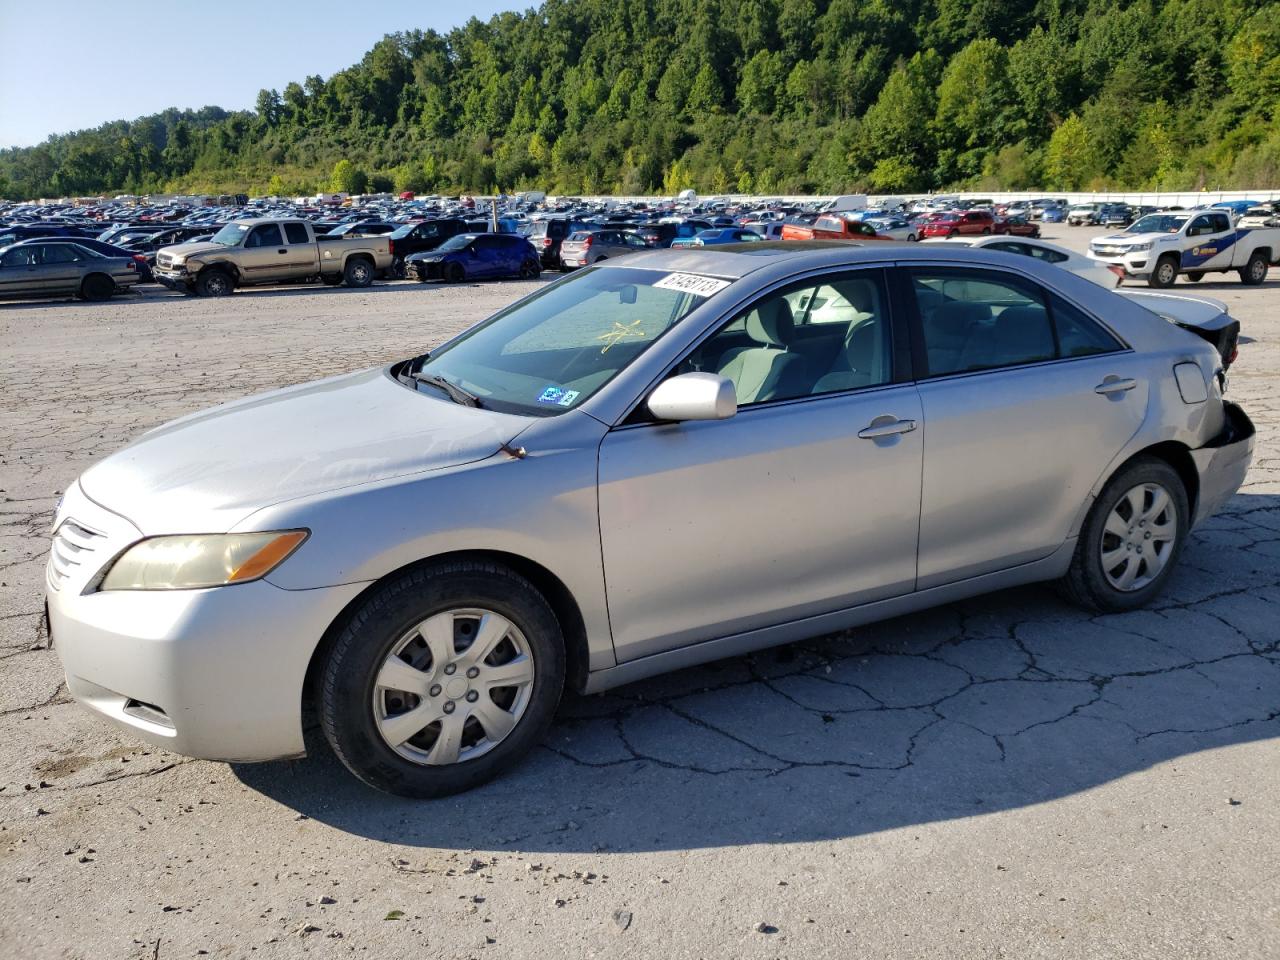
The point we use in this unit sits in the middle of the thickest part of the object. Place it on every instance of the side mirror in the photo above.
(694, 396)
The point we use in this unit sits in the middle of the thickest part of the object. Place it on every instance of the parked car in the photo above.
(1053, 215)
(42, 268)
(1258, 217)
(717, 235)
(411, 238)
(363, 228)
(585, 247)
(583, 491)
(1020, 227)
(1069, 260)
(476, 256)
(968, 223)
(547, 235)
(1082, 215)
(896, 228)
(1209, 319)
(769, 229)
(832, 227)
(263, 250)
(1113, 215)
(106, 250)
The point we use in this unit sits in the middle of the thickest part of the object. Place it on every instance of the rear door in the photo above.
(301, 256)
(1026, 400)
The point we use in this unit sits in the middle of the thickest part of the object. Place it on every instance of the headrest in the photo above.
(956, 317)
(771, 323)
(1025, 330)
(860, 294)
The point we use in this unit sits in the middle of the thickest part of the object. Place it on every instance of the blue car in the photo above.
(476, 256)
(1238, 207)
(1053, 215)
(706, 238)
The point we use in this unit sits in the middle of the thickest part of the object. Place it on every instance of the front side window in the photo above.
(552, 351)
(982, 320)
(806, 340)
(267, 235)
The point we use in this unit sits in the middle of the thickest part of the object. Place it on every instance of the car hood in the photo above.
(192, 248)
(207, 471)
(1124, 239)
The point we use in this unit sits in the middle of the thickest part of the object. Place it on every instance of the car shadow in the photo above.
(151, 295)
(994, 703)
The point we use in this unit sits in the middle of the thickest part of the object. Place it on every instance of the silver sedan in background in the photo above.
(60, 268)
(677, 457)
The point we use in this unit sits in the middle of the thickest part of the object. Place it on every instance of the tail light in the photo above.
(547, 241)
(1231, 358)
(586, 244)
(131, 265)
(391, 247)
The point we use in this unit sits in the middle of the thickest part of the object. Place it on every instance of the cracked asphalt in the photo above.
(1004, 777)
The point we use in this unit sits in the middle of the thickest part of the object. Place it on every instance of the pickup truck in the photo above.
(832, 227)
(255, 251)
(1160, 246)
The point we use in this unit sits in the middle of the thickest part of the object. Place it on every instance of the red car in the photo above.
(1020, 227)
(956, 224)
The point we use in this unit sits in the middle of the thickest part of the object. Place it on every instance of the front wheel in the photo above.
(1255, 271)
(442, 679)
(529, 270)
(214, 283)
(358, 272)
(912, 238)
(1165, 273)
(1131, 539)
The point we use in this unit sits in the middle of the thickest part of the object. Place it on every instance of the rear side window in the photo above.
(296, 232)
(982, 320)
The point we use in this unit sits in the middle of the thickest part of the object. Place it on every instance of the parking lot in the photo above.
(1002, 778)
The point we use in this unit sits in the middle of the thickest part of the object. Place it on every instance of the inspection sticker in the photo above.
(559, 396)
(691, 283)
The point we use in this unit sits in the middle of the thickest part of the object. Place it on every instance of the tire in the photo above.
(331, 279)
(529, 270)
(1089, 583)
(912, 238)
(1255, 271)
(454, 273)
(215, 283)
(986, 231)
(1165, 273)
(1194, 277)
(396, 271)
(358, 272)
(97, 286)
(357, 714)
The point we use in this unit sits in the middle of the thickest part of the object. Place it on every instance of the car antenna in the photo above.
(517, 453)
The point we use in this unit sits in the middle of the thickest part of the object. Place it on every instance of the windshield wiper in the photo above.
(456, 393)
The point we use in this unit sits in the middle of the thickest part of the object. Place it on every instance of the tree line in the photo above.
(751, 96)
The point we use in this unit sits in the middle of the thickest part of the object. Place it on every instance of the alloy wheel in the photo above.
(453, 687)
(1139, 537)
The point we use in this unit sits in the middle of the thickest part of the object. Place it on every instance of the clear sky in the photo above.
(73, 64)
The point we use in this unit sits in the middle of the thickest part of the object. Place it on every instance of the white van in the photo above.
(845, 204)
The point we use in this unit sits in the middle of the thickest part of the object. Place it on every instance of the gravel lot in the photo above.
(1005, 777)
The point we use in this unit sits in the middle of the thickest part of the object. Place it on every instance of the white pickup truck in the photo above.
(1160, 246)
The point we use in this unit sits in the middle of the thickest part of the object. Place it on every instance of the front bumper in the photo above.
(173, 279)
(424, 269)
(216, 674)
(1135, 264)
(1223, 462)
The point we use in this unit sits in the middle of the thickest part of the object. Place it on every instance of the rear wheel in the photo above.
(455, 273)
(986, 231)
(1165, 273)
(97, 286)
(1255, 271)
(358, 272)
(443, 678)
(214, 283)
(529, 270)
(1195, 277)
(1131, 539)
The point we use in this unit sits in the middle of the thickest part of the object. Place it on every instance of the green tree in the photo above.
(1070, 159)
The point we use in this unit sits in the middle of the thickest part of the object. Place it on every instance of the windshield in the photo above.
(401, 232)
(1158, 223)
(455, 243)
(230, 235)
(551, 352)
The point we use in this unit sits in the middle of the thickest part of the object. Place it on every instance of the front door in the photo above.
(804, 502)
(1026, 401)
(265, 256)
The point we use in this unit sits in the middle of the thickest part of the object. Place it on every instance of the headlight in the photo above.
(1137, 247)
(192, 562)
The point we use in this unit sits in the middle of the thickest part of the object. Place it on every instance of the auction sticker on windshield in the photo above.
(691, 283)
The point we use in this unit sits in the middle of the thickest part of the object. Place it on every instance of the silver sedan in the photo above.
(681, 456)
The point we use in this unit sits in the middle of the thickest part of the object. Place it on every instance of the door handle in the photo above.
(885, 427)
(282, 251)
(1115, 385)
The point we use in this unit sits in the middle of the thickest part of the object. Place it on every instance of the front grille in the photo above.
(73, 546)
(164, 261)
